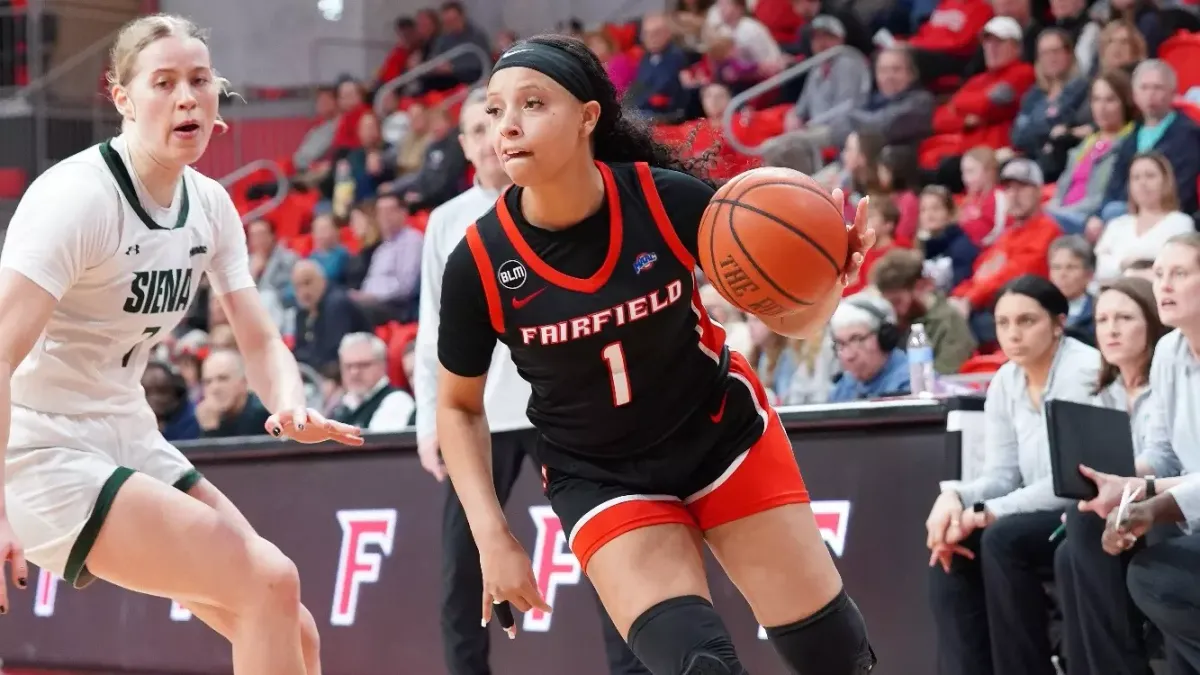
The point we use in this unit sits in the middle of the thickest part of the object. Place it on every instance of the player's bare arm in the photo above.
(812, 320)
(272, 372)
(25, 308)
(466, 445)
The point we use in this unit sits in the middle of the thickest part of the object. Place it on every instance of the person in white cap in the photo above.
(982, 111)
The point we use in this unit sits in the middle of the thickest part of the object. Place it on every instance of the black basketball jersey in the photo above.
(617, 360)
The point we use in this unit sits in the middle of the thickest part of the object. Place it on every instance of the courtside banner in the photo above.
(364, 529)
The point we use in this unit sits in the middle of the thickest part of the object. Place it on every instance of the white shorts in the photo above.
(62, 473)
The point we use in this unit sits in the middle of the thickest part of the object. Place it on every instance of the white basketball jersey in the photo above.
(124, 272)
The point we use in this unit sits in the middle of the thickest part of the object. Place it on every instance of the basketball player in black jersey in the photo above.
(653, 436)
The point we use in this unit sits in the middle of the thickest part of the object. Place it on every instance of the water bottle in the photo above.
(920, 362)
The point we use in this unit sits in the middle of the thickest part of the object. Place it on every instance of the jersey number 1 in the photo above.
(614, 357)
(149, 333)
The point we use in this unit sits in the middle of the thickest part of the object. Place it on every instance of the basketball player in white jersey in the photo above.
(102, 258)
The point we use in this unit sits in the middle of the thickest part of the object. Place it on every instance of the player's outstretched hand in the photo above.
(859, 236)
(508, 577)
(12, 557)
(305, 425)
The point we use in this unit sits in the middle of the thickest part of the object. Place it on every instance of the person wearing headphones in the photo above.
(167, 395)
(867, 343)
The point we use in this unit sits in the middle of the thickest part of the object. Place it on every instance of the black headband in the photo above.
(555, 63)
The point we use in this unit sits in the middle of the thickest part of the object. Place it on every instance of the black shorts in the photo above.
(730, 460)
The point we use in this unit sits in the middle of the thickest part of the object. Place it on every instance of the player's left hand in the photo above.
(859, 236)
(305, 425)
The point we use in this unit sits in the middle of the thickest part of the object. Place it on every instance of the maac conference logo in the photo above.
(555, 566)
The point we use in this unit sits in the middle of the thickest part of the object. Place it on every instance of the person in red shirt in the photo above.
(883, 216)
(1022, 248)
(982, 111)
(397, 59)
(945, 43)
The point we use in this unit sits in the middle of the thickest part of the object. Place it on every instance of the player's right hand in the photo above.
(429, 452)
(11, 553)
(508, 576)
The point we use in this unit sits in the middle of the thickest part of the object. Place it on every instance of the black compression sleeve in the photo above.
(466, 338)
(684, 197)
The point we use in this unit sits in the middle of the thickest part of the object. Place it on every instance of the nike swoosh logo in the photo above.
(716, 417)
(518, 303)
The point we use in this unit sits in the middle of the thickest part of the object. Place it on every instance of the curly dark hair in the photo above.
(621, 135)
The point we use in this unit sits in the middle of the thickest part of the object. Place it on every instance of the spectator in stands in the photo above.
(984, 209)
(1122, 47)
(1072, 16)
(1052, 103)
(867, 343)
(456, 31)
(270, 262)
(656, 89)
(328, 251)
(369, 165)
(689, 18)
(983, 109)
(1160, 128)
(167, 395)
(1161, 576)
(441, 174)
(857, 170)
(1072, 268)
(505, 38)
(352, 106)
(752, 40)
(1139, 13)
(1081, 185)
(389, 291)
(188, 363)
(228, 407)
(1021, 11)
(311, 160)
(794, 372)
(991, 534)
(370, 402)
(1101, 632)
(900, 278)
(411, 138)
(856, 35)
(621, 67)
(325, 314)
(945, 43)
(1138, 269)
(832, 90)
(883, 217)
(900, 108)
(396, 62)
(720, 64)
(897, 175)
(780, 18)
(428, 27)
(366, 233)
(1022, 248)
(1154, 217)
(948, 249)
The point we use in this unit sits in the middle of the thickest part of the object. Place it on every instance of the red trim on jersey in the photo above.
(712, 336)
(665, 228)
(625, 515)
(764, 478)
(615, 230)
(487, 276)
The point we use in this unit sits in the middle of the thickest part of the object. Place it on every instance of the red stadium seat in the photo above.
(1182, 52)
(983, 363)
(12, 182)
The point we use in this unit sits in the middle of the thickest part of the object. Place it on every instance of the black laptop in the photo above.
(1101, 438)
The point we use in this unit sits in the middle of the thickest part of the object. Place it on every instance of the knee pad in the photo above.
(684, 636)
(831, 642)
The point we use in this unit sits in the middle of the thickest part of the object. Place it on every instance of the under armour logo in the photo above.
(133, 250)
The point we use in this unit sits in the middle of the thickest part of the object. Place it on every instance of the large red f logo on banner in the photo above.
(361, 528)
(553, 565)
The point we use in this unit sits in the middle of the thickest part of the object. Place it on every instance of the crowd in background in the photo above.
(1032, 168)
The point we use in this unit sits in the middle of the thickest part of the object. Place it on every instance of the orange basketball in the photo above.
(772, 241)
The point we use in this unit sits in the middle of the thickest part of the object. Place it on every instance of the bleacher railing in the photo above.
(428, 67)
(281, 186)
(770, 84)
